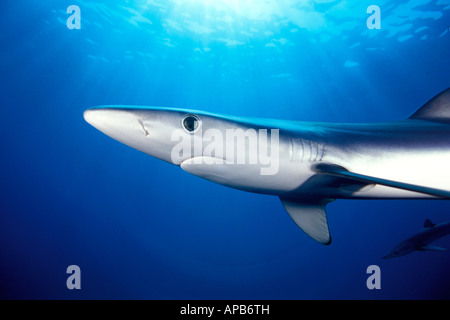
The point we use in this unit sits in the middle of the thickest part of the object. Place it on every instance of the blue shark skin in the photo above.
(421, 240)
(306, 164)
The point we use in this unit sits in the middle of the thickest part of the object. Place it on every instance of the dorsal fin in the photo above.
(428, 224)
(437, 109)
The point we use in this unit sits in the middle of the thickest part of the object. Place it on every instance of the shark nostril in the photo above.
(146, 133)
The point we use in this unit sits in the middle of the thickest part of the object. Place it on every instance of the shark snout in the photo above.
(121, 124)
(98, 118)
(93, 116)
(148, 130)
(109, 118)
(112, 119)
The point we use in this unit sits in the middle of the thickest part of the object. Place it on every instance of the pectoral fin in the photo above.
(431, 248)
(310, 215)
(339, 171)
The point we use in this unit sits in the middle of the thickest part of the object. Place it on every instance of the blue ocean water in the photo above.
(140, 228)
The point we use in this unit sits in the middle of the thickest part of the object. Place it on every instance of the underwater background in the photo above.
(140, 228)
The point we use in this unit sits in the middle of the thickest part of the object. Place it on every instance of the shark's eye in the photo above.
(191, 122)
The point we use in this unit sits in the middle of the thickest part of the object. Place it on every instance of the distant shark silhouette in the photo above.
(421, 240)
(317, 163)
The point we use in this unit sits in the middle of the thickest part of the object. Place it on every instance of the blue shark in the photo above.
(306, 164)
(421, 240)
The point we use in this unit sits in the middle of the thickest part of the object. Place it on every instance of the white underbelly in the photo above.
(427, 169)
